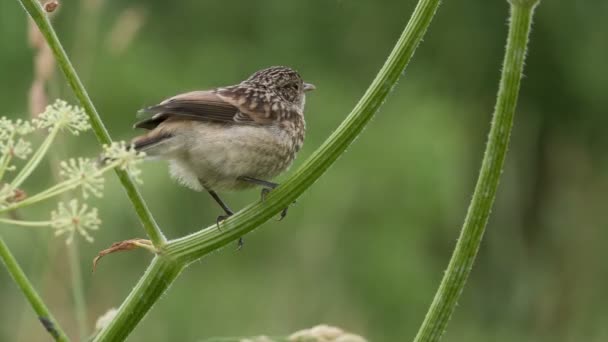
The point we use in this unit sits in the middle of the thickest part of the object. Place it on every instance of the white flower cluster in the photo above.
(125, 157)
(74, 218)
(324, 333)
(85, 172)
(9, 128)
(7, 193)
(61, 115)
(12, 143)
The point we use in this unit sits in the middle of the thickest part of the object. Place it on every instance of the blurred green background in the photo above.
(366, 246)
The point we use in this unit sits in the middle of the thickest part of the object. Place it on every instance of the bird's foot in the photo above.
(264, 193)
(241, 242)
(220, 219)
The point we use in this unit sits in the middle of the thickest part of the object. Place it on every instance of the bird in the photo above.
(229, 138)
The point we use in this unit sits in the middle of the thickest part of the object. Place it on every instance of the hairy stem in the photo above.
(158, 277)
(182, 251)
(44, 315)
(42, 21)
(476, 219)
(196, 245)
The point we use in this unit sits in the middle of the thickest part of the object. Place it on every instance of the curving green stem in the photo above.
(475, 222)
(42, 21)
(44, 315)
(177, 253)
(194, 246)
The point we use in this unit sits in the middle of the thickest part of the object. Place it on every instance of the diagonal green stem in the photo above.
(36, 158)
(44, 315)
(156, 280)
(196, 245)
(42, 21)
(475, 222)
(177, 253)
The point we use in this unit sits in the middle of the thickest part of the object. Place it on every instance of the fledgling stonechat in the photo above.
(229, 138)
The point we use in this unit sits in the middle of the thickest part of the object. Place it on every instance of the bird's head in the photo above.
(284, 82)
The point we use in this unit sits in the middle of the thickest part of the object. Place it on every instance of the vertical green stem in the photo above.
(44, 315)
(78, 290)
(42, 21)
(476, 219)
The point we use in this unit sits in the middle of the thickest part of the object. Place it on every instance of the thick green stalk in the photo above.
(158, 277)
(182, 251)
(476, 219)
(42, 21)
(196, 245)
(44, 315)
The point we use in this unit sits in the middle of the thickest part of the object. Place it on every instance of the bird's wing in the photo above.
(223, 105)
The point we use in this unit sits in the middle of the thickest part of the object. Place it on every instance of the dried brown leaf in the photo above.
(122, 246)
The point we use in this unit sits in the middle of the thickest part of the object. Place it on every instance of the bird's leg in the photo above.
(266, 188)
(219, 201)
(228, 212)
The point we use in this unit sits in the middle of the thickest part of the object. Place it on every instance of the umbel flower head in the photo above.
(11, 142)
(9, 128)
(74, 218)
(84, 171)
(124, 157)
(7, 192)
(60, 115)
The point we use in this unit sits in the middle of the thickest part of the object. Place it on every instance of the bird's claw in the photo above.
(220, 219)
(264, 193)
(283, 214)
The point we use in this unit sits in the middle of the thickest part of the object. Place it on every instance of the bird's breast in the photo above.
(220, 153)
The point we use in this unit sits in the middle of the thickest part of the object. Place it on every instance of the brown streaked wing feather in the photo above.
(253, 102)
(196, 105)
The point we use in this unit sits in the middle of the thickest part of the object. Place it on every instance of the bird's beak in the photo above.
(309, 87)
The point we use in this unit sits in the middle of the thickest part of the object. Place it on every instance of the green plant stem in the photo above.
(158, 277)
(26, 223)
(196, 245)
(476, 219)
(44, 315)
(182, 251)
(78, 290)
(35, 10)
(35, 160)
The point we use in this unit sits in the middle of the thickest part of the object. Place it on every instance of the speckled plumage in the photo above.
(213, 138)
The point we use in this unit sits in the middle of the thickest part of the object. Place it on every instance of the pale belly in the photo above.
(217, 155)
